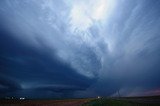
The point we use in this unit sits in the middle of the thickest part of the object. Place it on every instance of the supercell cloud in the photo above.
(72, 48)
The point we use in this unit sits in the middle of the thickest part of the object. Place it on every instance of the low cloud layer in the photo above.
(67, 48)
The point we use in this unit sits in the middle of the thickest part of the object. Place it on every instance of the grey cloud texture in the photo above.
(116, 50)
(46, 26)
(134, 39)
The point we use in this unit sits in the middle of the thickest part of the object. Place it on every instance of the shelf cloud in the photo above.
(81, 48)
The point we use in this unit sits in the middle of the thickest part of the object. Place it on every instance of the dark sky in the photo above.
(79, 48)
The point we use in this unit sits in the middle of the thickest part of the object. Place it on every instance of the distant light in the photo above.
(98, 97)
(21, 98)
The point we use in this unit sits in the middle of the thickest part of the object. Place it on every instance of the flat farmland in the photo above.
(122, 101)
(66, 102)
(125, 101)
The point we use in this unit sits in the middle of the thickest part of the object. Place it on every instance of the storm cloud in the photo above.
(65, 48)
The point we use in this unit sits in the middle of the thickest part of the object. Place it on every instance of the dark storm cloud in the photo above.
(8, 85)
(34, 68)
(46, 48)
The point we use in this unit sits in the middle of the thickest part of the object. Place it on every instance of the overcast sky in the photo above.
(79, 48)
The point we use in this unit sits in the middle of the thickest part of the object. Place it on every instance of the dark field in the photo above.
(67, 102)
(130, 101)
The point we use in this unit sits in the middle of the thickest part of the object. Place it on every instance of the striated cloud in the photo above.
(80, 48)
